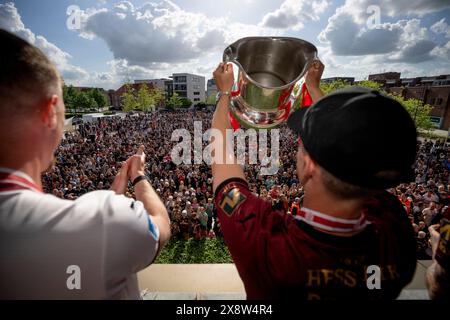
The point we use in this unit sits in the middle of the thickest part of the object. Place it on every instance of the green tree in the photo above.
(174, 101)
(99, 97)
(128, 98)
(370, 84)
(158, 96)
(333, 86)
(69, 96)
(92, 103)
(145, 99)
(418, 110)
(185, 102)
(83, 101)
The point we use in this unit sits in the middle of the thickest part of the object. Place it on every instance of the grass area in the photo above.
(207, 250)
(431, 135)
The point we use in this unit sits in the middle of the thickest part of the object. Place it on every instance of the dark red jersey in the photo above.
(280, 257)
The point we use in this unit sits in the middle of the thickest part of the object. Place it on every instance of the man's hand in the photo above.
(223, 76)
(120, 182)
(136, 164)
(312, 80)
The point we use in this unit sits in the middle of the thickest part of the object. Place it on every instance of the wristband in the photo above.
(138, 179)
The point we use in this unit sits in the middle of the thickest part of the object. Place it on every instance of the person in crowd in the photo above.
(438, 273)
(429, 213)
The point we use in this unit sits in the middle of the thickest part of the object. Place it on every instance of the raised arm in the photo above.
(227, 168)
(312, 80)
(147, 195)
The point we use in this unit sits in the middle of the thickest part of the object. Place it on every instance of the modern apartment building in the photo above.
(189, 86)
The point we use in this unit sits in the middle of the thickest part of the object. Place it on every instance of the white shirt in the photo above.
(109, 237)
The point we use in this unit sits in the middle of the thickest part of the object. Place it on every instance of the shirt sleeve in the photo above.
(248, 224)
(131, 238)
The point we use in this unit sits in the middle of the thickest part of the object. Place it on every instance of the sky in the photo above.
(104, 43)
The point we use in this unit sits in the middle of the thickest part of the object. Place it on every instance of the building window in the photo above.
(181, 87)
(196, 93)
(433, 101)
(182, 94)
(180, 79)
(196, 99)
(439, 101)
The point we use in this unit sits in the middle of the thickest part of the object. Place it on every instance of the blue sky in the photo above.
(120, 40)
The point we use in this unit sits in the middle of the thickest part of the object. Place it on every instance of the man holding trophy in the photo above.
(350, 238)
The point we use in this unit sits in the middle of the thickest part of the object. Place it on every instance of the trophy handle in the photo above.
(301, 96)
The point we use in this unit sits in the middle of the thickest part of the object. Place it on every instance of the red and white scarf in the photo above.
(328, 223)
(11, 180)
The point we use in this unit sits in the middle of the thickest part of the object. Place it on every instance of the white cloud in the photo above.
(414, 45)
(347, 37)
(11, 21)
(441, 27)
(404, 40)
(410, 7)
(159, 32)
(353, 49)
(157, 39)
(442, 52)
(358, 8)
(293, 13)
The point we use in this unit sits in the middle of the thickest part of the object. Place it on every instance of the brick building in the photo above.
(434, 91)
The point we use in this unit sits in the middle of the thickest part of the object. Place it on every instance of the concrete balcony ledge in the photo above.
(222, 282)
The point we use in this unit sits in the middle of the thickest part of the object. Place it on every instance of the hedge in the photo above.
(208, 250)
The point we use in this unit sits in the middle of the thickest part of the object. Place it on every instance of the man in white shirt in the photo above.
(430, 196)
(429, 213)
(52, 248)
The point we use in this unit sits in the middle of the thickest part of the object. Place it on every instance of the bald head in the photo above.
(27, 77)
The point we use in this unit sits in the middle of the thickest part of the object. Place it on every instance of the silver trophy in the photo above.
(263, 94)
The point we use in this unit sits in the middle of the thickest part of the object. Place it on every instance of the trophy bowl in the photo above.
(269, 68)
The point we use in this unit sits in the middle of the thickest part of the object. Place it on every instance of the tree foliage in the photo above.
(185, 102)
(77, 100)
(174, 101)
(158, 96)
(417, 109)
(145, 101)
(333, 86)
(129, 99)
(99, 97)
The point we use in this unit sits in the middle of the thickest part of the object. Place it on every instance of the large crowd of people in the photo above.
(89, 157)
